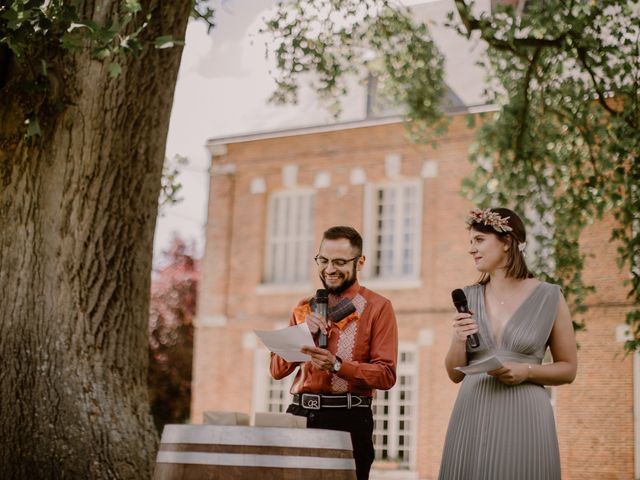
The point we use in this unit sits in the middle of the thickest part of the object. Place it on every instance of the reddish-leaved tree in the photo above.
(171, 312)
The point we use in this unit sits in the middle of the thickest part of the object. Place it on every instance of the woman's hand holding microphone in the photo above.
(463, 326)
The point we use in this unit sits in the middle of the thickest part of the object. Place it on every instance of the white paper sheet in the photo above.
(288, 341)
(483, 366)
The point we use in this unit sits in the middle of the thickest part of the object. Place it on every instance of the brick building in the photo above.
(271, 197)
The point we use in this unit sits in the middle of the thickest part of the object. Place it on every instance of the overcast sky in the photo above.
(222, 90)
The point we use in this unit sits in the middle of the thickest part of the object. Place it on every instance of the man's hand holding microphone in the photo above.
(317, 318)
(321, 358)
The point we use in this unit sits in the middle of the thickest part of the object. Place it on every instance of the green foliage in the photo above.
(564, 144)
(36, 30)
(338, 39)
(202, 11)
(33, 127)
(171, 187)
(29, 28)
(41, 34)
(565, 76)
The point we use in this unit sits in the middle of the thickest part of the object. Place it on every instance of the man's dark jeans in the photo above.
(357, 421)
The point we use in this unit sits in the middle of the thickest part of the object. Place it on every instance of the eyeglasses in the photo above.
(336, 262)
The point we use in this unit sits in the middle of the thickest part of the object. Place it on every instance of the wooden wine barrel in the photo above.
(190, 452)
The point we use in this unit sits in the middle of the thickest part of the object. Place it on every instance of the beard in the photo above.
(344, 285)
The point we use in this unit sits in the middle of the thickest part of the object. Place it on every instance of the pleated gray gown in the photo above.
(498, 431)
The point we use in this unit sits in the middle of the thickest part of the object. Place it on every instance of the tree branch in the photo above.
(582, 56)
(525, 108)
(471, 23)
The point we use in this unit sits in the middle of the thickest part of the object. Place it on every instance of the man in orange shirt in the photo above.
(334, 389)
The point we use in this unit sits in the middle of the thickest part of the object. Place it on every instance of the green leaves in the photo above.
(132, 6)
(114, 69)
(171, 187)
(16, 17)
(567, 84)
(120, 34)
(33, 128)
(564, 145)
(202, 11)
(327, 42)
(166, 41)
(43, 37)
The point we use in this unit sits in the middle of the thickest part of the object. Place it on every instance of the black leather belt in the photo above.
(314, 401)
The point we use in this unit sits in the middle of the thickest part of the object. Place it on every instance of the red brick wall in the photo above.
(594, 415)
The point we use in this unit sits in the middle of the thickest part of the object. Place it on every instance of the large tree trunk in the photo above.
(77, 210)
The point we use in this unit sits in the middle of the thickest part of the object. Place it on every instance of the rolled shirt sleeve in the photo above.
(379, 372)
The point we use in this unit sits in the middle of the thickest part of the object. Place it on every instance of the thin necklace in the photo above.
(508, 297)
(516, 291)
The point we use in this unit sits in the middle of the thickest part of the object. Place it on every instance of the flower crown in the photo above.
(490, 219)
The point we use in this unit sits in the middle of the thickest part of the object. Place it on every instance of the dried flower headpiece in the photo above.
(490, 219)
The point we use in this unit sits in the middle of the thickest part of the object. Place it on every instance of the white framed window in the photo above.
(395, 414)
(269, 395)
(393, 234)
(289, 240)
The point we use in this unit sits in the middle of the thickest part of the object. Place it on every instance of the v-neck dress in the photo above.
(498, 431)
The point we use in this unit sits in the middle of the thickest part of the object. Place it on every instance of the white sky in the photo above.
(222, 84)
(223, 87)
(222, 90)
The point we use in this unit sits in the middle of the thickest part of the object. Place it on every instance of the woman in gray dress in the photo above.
(502, 425)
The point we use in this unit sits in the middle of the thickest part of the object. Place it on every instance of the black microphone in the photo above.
(460, 302)
(321, 304)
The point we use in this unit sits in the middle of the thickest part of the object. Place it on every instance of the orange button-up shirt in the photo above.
(366, 341)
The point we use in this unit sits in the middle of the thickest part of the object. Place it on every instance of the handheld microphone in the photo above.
(322, 302)
(460, 302)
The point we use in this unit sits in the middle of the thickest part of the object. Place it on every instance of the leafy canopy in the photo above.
(36, 34)
(338, 39)
(564, 144)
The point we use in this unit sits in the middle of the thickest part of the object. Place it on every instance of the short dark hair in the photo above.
(341, 231)
(516, 264)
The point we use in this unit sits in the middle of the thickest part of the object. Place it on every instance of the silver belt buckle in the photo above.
(310, 401)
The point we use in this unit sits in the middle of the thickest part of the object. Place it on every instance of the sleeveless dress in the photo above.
(498, 431)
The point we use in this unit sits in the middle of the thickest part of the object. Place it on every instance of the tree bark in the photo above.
(77, 208)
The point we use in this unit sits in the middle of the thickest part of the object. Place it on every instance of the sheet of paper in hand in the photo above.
(483, 366)
(288, 341)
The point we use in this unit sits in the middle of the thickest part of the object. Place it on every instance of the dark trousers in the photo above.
(357, 421)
